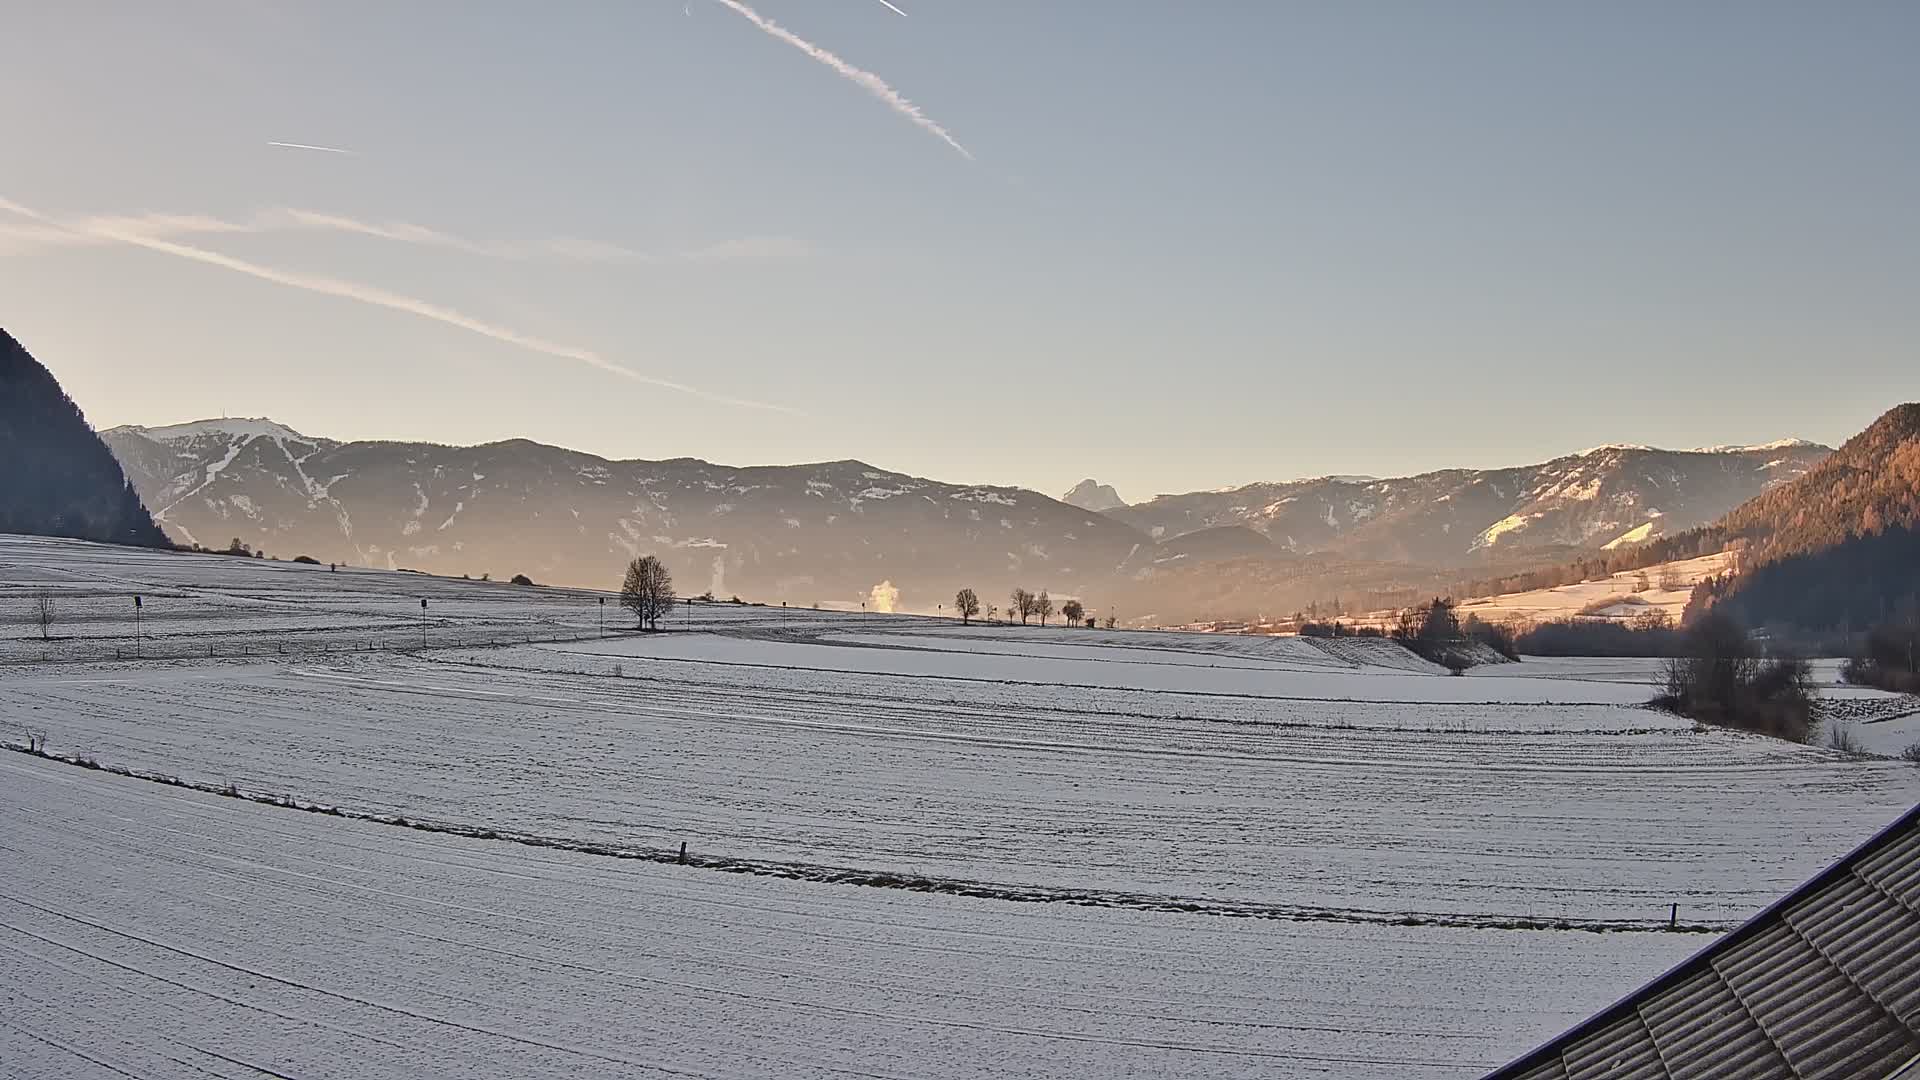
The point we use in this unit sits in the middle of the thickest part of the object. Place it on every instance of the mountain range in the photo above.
(847, 532)
(840, 532)
(1604, 497)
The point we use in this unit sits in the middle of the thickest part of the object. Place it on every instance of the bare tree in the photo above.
(991, 612)
(648, 591)
(43, 613)
(1021, 604)
(1110, 622)
(967, 604)
(1043, 607)
(1073, 612)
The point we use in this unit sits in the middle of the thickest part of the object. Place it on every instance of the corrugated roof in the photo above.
(1824, 984)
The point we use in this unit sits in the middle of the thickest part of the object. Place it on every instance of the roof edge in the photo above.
(1546, 1051)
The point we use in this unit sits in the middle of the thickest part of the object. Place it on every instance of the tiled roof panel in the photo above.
(1704, 1033)
(1823, 985)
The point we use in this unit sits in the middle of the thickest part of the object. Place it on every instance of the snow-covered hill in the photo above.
(1606, 496)
(828, 532)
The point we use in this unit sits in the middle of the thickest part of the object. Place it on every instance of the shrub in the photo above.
(1840, 736)
(1497, 636)
(1433, 631)
(1889, 658)
(1720, 678)
(1911, 753)
(522, 579)
(306, 560)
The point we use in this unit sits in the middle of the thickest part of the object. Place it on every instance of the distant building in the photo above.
(1825, 983)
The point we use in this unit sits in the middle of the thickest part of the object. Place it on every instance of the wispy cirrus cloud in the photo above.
(30, 237)
(398, 231)
(866, 80)
(131, 232)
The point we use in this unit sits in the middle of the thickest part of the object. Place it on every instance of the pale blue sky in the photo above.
(1198, 244)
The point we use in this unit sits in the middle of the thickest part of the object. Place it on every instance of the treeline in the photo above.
(1433, 631)
(1025, 604)
(1649, 634)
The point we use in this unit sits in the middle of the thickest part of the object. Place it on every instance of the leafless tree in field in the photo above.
(1073, 612)
(1021, 605)
(648, 591)
(43, 612)
(1043, 606)
(967, 604)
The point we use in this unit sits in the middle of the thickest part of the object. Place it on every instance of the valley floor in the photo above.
(917, 849)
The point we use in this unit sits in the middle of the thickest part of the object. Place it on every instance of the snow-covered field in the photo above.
(920, 849)
(1621, 597)
(150, 932)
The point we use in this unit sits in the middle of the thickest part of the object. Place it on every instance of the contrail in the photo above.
(401, 232)
(872, 83)
(368, 294)
(337, 150)
(895, 10)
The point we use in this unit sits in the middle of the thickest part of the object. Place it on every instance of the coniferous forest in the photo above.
(56, 477)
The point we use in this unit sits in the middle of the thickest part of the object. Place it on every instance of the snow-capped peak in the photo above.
(1756, 448)
(238, 427)
(1604, 447)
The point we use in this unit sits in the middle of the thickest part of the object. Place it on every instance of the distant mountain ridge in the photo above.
(832, 532)
(58, 478)
(1609, 495)
(828, 532)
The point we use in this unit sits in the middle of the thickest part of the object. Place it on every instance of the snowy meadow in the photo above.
(333, 833)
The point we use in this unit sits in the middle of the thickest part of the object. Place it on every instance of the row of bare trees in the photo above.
(1022, 603)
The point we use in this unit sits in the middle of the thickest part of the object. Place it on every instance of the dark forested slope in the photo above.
(56, 477)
